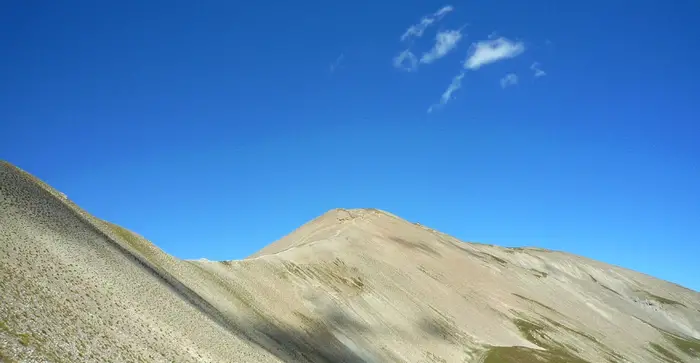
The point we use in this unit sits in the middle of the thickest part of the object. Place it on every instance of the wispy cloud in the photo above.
(538, 71)
(510, 79)
(445, 42)
(491, 51)
(417, 30)
(443, 11)
(447, 95)
(336, 64)
(406, 61)
(454, 86)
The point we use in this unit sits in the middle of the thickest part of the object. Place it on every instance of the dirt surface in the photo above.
(358, 285)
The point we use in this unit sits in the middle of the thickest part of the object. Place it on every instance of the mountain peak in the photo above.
(344, 214)
(351, 285)
(336, 224)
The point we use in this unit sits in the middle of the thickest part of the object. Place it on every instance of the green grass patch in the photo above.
(24, 338)
(529, 355)
(536, 332)
(664, 353)
(532, 331)
(688, 346)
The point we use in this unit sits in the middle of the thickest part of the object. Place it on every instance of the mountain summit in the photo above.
(352, 285)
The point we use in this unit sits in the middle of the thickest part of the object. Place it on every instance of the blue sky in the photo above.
(215, 128)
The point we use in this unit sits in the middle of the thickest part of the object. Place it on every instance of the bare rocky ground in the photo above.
(357, 285)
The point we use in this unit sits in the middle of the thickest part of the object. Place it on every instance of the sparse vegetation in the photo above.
(497, 259)
(416, 245)
(435, 276)
(571, 330)
(615, 357)
(537, 333)
(531, 331)
(539, 274)
(434, 358)
(661, 299)
(529, 355)
(664, 353)
(5, 358)
(310, 325)
(443, 327)
(484, 256)
(687, 345)
(24, 338)
(535, 302)
(603, 285)
(611, 290)
(134, 241)
(335, 274)
(76, 289)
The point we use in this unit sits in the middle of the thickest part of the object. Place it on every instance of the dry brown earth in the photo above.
(357, 285)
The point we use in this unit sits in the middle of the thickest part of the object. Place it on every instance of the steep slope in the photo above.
(349, 286)
(425, 294)
(78, 289)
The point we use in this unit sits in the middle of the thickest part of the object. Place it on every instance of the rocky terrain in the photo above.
(358, 285)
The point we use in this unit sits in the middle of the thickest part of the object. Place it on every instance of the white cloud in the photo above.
(490, 51)
(417, 30)
(509, 79)
(538, 72)
(447, 95)
(455, 85)
(445, 41)
(443, 11)
(406, 61)
(336, 64)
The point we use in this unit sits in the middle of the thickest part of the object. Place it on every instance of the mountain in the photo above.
(358, 285)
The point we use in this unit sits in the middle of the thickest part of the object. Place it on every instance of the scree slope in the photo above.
(359, 285)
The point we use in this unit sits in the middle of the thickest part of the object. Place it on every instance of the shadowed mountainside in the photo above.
(358, 285)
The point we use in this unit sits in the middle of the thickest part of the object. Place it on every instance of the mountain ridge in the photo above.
(351, 285)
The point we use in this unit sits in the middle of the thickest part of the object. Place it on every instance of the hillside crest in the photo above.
(351, 285)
